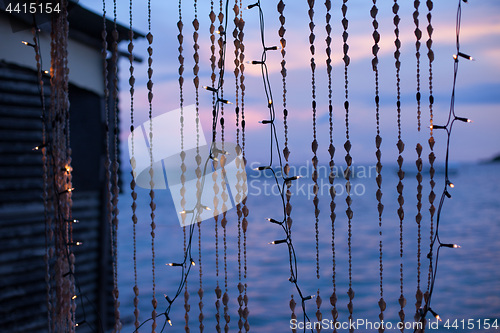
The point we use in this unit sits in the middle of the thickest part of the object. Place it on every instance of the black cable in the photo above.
(448, 127)
(274, 144)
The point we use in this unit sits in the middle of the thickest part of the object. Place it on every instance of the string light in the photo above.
(28, 44)
(438, 127)
(289, 179)
(185, 267)
(279, 241)
(463, 55)
(262, 168)
(75, 244)
(175, 264)
(39, 147)
(80, 323)
(69, 190)
(465, 120)
(224, 101)
(453, 246)
(433, 261)
(274, 221)
(210, 89)
(435, 314)
(274, 144)
(255, 62)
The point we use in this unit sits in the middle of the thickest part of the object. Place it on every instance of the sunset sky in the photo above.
(478, 87)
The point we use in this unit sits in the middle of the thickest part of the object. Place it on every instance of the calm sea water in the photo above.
(468, 282)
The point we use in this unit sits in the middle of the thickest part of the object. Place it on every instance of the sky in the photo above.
(477, 91)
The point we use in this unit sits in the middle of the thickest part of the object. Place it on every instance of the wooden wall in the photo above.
(22, 228)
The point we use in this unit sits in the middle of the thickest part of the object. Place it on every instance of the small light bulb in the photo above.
(43, 145)
(465, 120)
(78, 243)
(463, 55)
(273, 221)
(74, 297)
(292, 178)
(252, 5)
(174, 264)
(280, 241)
(210, 88)
(225, 101)
(193, 263)
(435, 314)
(170, 322)
(455, 246)
(28, 44)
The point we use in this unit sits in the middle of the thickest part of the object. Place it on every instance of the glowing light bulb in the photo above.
(225, 101)
(43, 145)
(27, 44)
(465, 120)
(273, 221)
(252, 5)
(210, 88)
(261, 168)
(292, 178)
(435, 314)
(463, 55)
(74, 297)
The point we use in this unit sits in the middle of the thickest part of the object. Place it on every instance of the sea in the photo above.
(467, 289)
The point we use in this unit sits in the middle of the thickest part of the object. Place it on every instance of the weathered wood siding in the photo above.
(22, 228)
